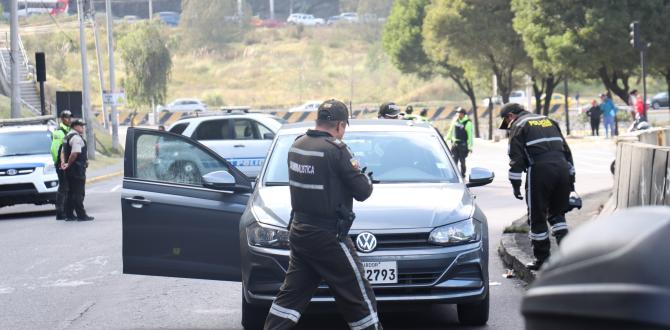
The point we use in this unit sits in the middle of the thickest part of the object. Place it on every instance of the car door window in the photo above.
(213, 130)
(264, 132)
(245, 130)
(179, 128)
(174, 160)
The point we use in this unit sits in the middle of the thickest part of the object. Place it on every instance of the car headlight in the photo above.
(461, 232)
(49, 169)
(264, 236)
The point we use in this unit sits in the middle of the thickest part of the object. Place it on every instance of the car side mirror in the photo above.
(268, 136)
(479, 177)
(219, 180)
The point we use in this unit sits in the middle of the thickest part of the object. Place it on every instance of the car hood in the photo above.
(25, 161)
(391, 206)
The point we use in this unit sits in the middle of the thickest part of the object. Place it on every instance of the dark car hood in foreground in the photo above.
(391, 206)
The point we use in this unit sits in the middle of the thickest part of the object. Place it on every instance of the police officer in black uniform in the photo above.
(324, 179)
(537, 147)
(76, 161)
(388, 110)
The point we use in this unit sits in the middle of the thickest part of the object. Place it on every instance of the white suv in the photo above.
(27, 172)
(243, 139)
(184, 105)
(304, 19)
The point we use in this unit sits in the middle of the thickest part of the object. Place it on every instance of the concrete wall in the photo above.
(642, 172)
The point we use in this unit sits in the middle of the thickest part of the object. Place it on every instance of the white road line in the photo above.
(117, 187)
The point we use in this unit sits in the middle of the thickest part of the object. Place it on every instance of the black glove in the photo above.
(517, 189)
(345, 218)
(369, 174)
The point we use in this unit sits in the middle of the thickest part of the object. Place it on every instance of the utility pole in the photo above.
(14, 45)
(151, 9)
(112, 76)
(86, 104)
(637, 43)
(100, 68)
(272, 9)
(567, 106)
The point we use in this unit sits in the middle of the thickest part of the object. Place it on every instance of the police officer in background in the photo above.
(74, 153)
(57, 141)
(460, 136)
(408, 113)
(388, 110)
(324, 179)
(537, 146)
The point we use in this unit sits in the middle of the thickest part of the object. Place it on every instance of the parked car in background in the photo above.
(170, 18)
(349, 17)
(433, 250)
(304, 19)
(243, 139)
(183, 105)
(334, 19)
(306, 107)
(497, 100)
(518, 97)
(27, 172)
(660, 100)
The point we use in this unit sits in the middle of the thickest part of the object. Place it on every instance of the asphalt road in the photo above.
(68, 275)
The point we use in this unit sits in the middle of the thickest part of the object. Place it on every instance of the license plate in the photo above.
(381, 272)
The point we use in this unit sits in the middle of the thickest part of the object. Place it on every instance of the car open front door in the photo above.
(175, 222)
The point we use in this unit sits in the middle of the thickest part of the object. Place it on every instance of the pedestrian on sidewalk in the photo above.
(594, 115)
(632, 100)
(609, 111)
(460, 137)
(640, 108)
(324, 180)
(537, 147)
(56, 145)
(75, 154)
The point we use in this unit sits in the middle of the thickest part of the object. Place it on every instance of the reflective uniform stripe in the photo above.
(522, 122)
(305, 185)
(365, 322)
(306, 152)
(286, 313)
(551, 139)
(514, 175)
(559, 226)
(361, 286)
(538, 237)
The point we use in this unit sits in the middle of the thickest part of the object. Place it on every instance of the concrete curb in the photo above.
(103, 177)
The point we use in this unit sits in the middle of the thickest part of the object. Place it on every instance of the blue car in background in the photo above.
(169, 18)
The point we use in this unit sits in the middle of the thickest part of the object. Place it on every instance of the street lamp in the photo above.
(636, 42)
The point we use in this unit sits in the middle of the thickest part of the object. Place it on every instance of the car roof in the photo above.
(24, 128)
(365, 125)
(206, 117)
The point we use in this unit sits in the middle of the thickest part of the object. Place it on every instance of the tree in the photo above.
(403, 41)
(208, 23)
(656, 30)
(148, 64)
(477, 35)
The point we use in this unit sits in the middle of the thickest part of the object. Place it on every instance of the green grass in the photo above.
(6, 109)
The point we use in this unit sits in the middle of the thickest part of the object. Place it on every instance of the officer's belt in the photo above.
(549, 157)
(318, 221)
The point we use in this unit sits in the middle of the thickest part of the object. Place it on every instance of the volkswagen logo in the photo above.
(12, 171)
(366, 242)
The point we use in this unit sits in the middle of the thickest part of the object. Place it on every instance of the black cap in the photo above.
(506, 110)
(388, 109)
(77, 122)
(461, 110)
(409, 109)
(333, 110)
(66, 114)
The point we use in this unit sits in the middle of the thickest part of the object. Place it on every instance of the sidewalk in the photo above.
(104, 168)
(515, 248)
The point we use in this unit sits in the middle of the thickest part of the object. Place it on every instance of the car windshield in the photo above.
(392, 157)
(24, 143)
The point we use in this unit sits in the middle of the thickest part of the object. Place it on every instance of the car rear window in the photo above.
(179, 128)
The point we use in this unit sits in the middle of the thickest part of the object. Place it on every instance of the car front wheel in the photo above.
(655, 105)
(253, 317)
(476, 313)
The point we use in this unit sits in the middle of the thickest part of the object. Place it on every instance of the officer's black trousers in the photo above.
(61, 196)
(75, 197)
(317, 255)
(460, 152)
(547, 193)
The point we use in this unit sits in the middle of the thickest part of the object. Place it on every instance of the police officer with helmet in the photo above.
(388, 110)
(74, 153)
(324, 179)
(58, 136)
(460, 135)
(537, 147)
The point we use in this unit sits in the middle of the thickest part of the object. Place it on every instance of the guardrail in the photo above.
(642, 171)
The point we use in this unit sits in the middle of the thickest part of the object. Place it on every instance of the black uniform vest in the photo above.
(78, 168)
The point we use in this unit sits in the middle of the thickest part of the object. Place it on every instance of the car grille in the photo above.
(417, 278)
(19, 171)
(400, 241)
(17, 187)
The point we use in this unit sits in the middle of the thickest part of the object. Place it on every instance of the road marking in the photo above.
(117, 187)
